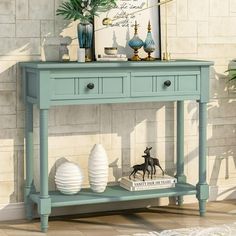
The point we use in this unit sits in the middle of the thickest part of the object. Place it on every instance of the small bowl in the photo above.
(110, 50)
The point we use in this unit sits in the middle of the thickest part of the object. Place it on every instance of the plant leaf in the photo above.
(232, 78)
(231, 70)
(72, 9)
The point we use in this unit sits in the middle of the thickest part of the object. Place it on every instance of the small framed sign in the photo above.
(121, 28)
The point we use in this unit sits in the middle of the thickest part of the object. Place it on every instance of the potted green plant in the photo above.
(84, 11)
(232, 74)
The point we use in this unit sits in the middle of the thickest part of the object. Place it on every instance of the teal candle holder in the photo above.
(136, 43)
(149, 44)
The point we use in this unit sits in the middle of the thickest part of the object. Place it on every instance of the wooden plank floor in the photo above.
(127, 222)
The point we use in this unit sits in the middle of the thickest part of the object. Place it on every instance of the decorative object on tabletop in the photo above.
(166, 54)
(149, 44)
(68, 178)
(136, 43)
(111, 55)
(81, 54)
(84, 11)
(85, 36)
(64, 52)
(149, 161)
(158, 182)
(110, 50)
(98, 168)
(118, 57)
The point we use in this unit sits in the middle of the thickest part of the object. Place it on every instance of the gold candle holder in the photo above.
(166, 55)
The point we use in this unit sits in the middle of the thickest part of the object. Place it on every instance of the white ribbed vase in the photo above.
(68, 178)
(98, 168)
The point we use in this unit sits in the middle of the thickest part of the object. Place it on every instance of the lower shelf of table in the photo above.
(113, 194)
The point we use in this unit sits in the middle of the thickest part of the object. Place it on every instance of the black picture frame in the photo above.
(159, 26)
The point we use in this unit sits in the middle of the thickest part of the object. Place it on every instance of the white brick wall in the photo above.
(28, 28)
(7, 7)
(202, 29)
(214, 40)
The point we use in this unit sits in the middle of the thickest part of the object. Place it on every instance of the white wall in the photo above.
(197, 29)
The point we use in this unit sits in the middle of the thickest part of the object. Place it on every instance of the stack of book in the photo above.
(117, 57)
(157, 182)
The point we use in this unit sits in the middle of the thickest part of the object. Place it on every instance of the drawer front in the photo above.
(109, 86)
(166, 85)
(87, 86)
(84, 83)
(151, 85)
(63, 86)
(188, 83)
(142, 85)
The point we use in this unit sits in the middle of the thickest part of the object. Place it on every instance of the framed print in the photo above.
(121, 30)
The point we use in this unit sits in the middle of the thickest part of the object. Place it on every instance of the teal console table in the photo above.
(47, 84)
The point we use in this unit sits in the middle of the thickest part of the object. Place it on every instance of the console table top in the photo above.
(130, 64)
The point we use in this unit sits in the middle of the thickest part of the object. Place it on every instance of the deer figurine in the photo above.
(137, 168)
(148, 160)
(157, 163)
(144, 167)
(153, 162)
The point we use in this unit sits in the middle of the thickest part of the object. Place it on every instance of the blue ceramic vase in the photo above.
(85, 37)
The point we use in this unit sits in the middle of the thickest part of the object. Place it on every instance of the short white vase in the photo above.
(98, 168)
(68, 178)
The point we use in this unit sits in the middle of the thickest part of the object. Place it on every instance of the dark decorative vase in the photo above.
(85, 36)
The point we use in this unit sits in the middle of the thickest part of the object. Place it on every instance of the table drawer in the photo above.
(91, 86)
(188, 83)
(153, 85)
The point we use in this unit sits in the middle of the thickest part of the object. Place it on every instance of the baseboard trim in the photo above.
(12, 211)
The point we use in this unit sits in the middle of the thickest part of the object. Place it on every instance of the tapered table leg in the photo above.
(181, 178)
(29, 183)
(44, 206)
(202, 186)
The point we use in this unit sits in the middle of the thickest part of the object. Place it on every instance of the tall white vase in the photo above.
(98, 168)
